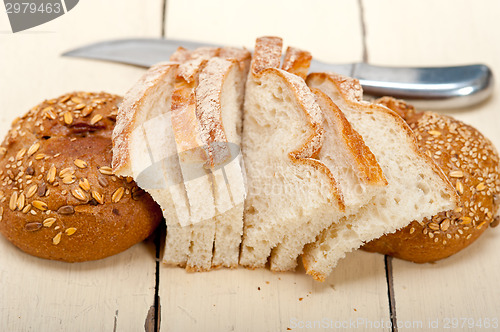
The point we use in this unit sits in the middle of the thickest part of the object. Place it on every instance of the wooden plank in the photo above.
(226, 300)
(448, 32)
(111, 294)
(354, 296)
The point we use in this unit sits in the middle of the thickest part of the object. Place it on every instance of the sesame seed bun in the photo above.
(471, 163)
(58, 197)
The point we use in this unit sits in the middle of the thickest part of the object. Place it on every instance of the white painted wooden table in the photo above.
(366, 291)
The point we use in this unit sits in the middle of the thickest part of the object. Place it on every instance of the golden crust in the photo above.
(59, 198)
(267, 54)
(297, 62)
(352, 93)
(471, 163)
(265, 62)
(127, 113)
(369, 169)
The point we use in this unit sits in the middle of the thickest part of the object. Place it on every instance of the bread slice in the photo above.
(417, 187)
(207, 122)
(143, 146)
(226, 95)
(359, 175)
(282, 133)
(345, 154)
(177, 134)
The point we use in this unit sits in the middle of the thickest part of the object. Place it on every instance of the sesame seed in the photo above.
(412, 230)
(460, 187)
(40, 156)
(434, 133)
(469, 236)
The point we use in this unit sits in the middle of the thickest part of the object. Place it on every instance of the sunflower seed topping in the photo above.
(84, 184)
(78, 194)
(80, 163)
(32, 226)
(49, 222)
(42, 206)
(66, 209)
(98, 197)
(70, 231)
(117, 195)
(68, 118)
(106, 170)
(13, 201)
(57, 238)
(34, 148)
(51, 174)
(96, 118)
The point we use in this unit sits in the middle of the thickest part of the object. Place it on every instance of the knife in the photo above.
(425, 87)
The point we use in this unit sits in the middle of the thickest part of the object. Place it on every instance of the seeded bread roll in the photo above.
(471, 163)
(58, 197)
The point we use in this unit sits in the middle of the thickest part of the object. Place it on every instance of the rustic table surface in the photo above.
(132, 292)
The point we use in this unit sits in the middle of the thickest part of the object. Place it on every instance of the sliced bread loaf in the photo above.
(416, 188)
(282, 133)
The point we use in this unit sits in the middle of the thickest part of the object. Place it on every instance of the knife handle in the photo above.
(424, 87)
(431, 88)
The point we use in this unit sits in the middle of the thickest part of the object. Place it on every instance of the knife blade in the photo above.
(425, 87)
